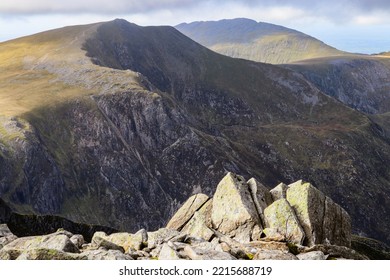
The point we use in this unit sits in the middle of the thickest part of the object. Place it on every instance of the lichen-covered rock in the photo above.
(199, 254)
(77, 240)
(100, 242)
(55, 241)
(261, 197)
(124, 239)
(160, 236)
(273, 234)
(234, 212)
(102, 254)
(315, 255)
(281, 216)
(184, 214)
(4, 230)
(167, 253)
(322, 220)
(337, 226)
(197, 227)
(49, 254)
(279, 191)
(274, 255)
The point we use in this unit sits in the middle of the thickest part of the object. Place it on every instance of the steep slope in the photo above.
(360, 82)
(157, 117)
(257, 41)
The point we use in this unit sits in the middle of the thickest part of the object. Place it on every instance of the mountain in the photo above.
(257, 41)
(117, 125)
(360, 82)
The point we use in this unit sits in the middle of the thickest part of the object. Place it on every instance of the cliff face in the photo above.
(123, 142)
(362, 83)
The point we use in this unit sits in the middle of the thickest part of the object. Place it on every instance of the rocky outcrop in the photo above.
(323, 221)
(281, 217)
(234, 212)
(227, 226)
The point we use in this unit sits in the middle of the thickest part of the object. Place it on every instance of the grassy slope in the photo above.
(262, 42)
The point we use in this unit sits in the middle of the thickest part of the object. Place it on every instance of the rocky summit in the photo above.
(241, 221)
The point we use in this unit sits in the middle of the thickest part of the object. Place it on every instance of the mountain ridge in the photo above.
(257, 41)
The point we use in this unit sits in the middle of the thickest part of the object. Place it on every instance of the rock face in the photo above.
(234, 212)
(322, 220)
(184, 214)
(281, 216)
(228, 226)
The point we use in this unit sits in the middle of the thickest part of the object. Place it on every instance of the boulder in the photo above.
(49, 254)
(160, 236)
(261, 197)
(281, 216)
(201, 254)
(102, 254)
(322, 220)
(234, 212)
(315, 255)
(185, 213)
(100, 242)
(56, 241)
(125, 240)
(279, 191)
(274, 255)
(197, 227)
(168, 253)
(77, 240)
(4, 230)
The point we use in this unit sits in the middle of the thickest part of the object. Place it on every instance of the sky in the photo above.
(361, 26)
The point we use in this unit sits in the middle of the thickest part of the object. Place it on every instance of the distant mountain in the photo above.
(257, 41)
(117, 124)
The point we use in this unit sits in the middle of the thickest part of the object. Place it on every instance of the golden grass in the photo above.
(50, 68)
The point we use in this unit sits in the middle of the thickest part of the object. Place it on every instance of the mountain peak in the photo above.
(257, 41)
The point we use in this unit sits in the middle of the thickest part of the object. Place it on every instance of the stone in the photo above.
(199, 254)
(185, 213)
(139, 239)
(102, 254)
(10, 254)
(335, 251)
(5, 231)
(322, 220)
(279, 191)
(272, 234)
(269, 245)
(234, 212)
(125, 240)
(55, 241)
(6, 240)
(49, 254)
(315, 255)
(100, 242)
(77, 240)
(160, 236)
(281, 216)
(197, 227)
(168, 253)
(261, 197)
(274, 255)
(337, 226)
